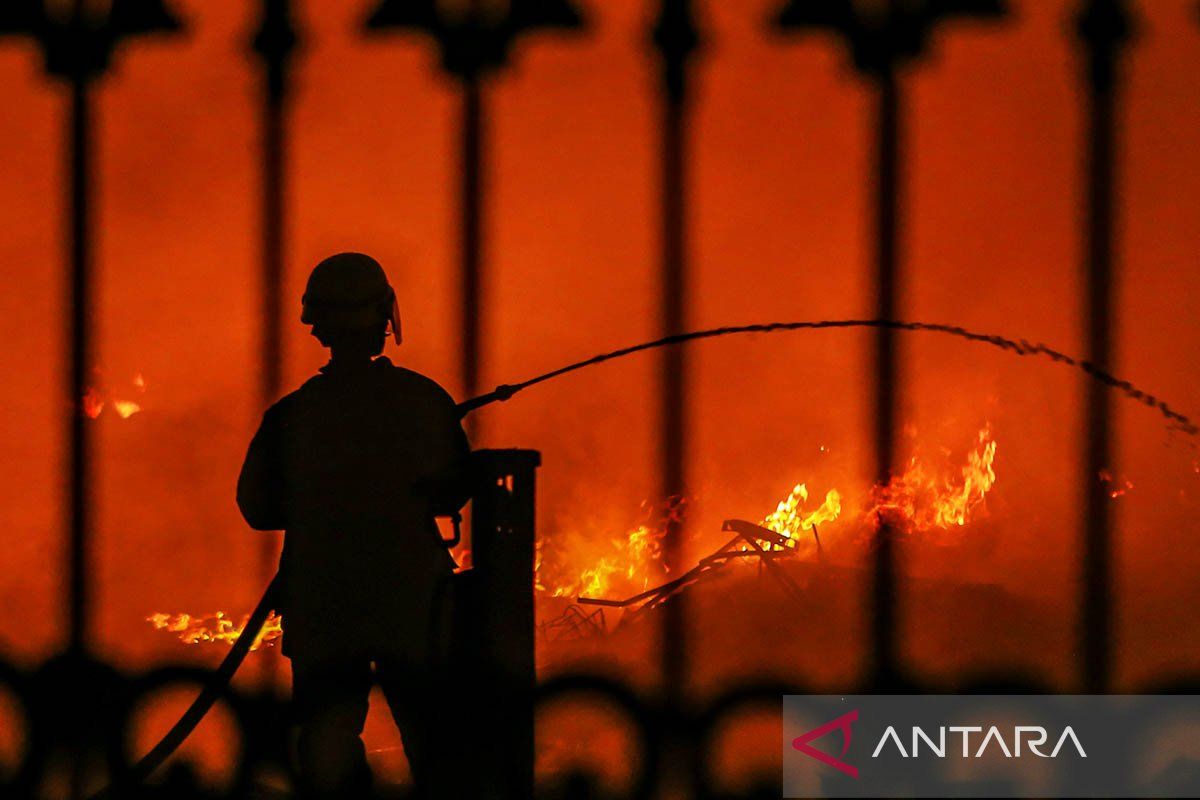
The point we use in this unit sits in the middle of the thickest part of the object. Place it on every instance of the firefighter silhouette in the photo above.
(354, 466)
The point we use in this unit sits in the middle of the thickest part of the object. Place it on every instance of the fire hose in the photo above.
(224, 673)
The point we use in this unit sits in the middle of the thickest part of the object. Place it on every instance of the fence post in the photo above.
(498, 619)
(1104, 26)
(882, 39)
(274, 41)
(676, 39)
(475, 39)
(78, 40)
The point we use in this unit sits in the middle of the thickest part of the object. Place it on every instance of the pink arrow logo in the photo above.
(842, 723)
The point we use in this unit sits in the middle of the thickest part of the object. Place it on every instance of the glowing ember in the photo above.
(1116, 487)
(92, 404)
(216, 627)
(126, 408)
(94, 401)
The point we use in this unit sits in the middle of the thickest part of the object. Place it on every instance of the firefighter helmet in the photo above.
(350, 290)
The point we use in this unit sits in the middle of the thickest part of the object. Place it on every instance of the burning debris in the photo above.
(613, 564)
(790, 520)
(214, 628)
(922, 499)
(751, 542)
(585, 572)
(573, 623)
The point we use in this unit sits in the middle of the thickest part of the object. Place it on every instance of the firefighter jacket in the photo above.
(354, 466)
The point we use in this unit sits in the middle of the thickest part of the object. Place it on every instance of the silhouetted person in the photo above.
(354, 466)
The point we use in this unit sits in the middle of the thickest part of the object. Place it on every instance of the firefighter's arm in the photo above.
(458, 492)
(449, 486)
(260, 484)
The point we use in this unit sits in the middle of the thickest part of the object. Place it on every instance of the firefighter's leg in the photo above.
(330, 701)
(411, 697)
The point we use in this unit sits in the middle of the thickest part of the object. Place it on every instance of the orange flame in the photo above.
(637, 553)
(790, 519)
(626, 563)
(921, 499)
(215, 627)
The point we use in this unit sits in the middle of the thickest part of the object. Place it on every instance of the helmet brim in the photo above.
(359, 317)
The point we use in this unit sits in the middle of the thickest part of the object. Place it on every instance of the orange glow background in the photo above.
(780, 229)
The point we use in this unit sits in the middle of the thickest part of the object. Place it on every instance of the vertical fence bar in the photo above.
(474, 38)
(79, 354)
(471, 215)
(883, 37)
(884, 613)
(273, 42)
(676, 38)
(77, 41)
(1104, 26)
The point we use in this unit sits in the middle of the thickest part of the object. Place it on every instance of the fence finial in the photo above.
(883, 34)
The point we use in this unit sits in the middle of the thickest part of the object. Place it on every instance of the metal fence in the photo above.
(76, 705)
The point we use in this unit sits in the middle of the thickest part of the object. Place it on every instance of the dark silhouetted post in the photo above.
(676, 39)
(78, 39)
(274, 41)
(503, 535)
(1104, 27)
(475, 38)
(883, 36)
